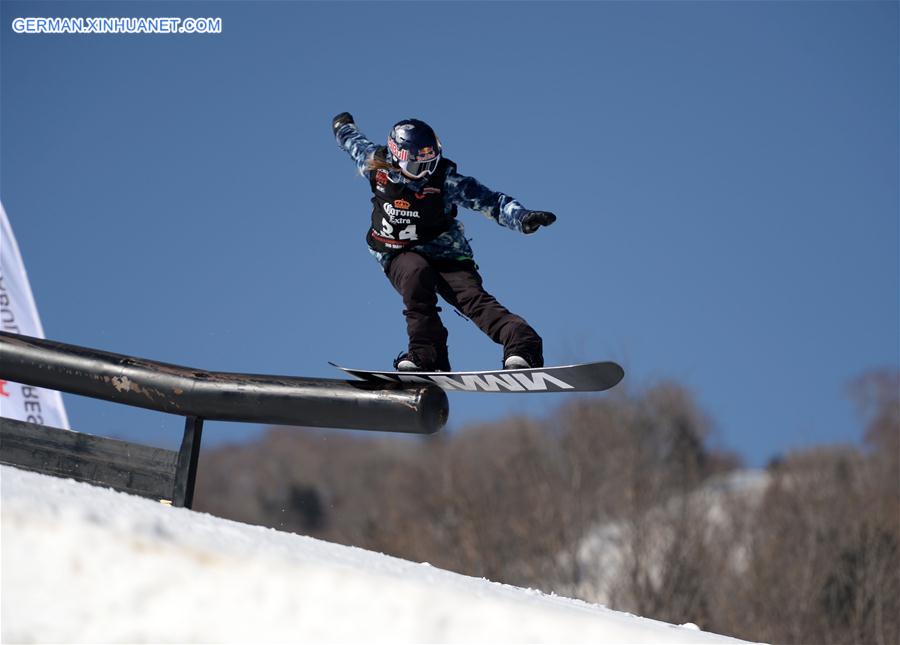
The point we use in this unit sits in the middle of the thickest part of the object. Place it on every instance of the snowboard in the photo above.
(582, 377)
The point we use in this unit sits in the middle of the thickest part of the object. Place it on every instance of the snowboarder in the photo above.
(422, 247)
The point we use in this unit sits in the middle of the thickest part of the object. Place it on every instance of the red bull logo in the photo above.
(426, 154)
(400, 155)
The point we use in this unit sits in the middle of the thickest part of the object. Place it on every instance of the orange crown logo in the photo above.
(402, 204)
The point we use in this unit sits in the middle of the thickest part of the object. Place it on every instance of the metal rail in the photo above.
(222, 396)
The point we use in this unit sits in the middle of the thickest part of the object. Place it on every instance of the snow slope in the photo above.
(81, 563)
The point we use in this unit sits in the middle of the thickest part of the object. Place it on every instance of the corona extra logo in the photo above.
(402, 204)
(393, 212)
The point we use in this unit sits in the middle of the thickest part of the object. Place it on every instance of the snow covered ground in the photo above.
(84, 564)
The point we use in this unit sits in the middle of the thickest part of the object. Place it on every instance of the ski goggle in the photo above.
(417, 169)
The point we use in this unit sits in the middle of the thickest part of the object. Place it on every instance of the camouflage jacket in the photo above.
(459, 190)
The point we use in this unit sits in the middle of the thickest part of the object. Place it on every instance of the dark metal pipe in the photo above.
(222, 396)
(186, 467)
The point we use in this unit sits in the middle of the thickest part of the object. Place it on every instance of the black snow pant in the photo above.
(420, 280)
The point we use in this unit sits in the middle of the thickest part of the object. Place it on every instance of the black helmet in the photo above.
(414, 147)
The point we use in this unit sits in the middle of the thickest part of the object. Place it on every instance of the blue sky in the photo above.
(725, 176)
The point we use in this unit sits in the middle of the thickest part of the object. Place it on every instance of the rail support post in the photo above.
(186, 468)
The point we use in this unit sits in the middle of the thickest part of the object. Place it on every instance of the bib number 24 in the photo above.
(405, 233)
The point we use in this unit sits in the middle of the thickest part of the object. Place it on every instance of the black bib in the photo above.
(402, 217)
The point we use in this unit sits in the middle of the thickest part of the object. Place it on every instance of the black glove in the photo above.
(535, 219)
(341, 119)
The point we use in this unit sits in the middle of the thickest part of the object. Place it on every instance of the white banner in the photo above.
(18, 314)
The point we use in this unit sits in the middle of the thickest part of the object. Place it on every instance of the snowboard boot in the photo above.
(419, 361)
(523, 357)
(515, 362)
(405, 363)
